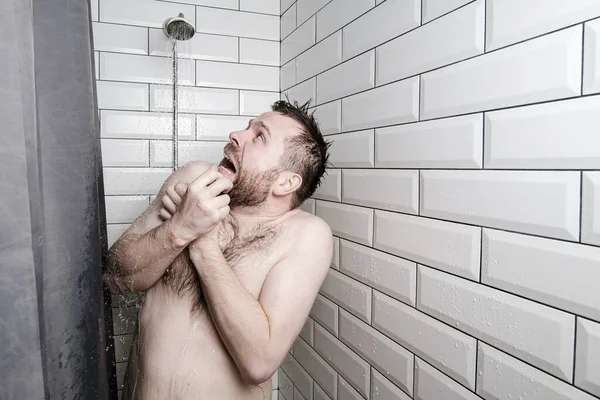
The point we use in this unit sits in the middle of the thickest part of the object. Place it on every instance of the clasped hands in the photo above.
(195, 211)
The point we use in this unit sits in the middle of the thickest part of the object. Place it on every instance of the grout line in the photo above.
(415, 372)
(580, 206)
(582, 56)
(485, 13)
(480, 254)
(574, 350)
(454, 275)
(476, 363)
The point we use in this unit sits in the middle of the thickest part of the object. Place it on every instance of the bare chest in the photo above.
(250, 258)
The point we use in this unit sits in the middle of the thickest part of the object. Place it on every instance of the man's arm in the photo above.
(141, 255)
(258, 334)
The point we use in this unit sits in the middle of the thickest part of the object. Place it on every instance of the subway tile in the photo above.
(144, 125)
(201, 46)
(237, 76)
(288, 21)
(320, 57)
(347, 392)
(307, 331)
(263, 52)
(535, 333)
(298, 41)
(394, 190)
(161, 153)
(335, 260)
(130, 299)
(348, 293)
(387, 105)
(122, 347)
(96, 65)
(391, 275)
(444, 347)
(382, 353)
(303, 92)
(547, 68)
(352, 149)
(231, 4)
(94, 9)
(120, 38)
(319, 394)
(566, 128)
(142, 12)
(195, 99)
(331, 185)
(134, 181)
(591, 58)
(274, 394)
(285, 4)
(431, 384)
(435, 8)
(504, 377)
(114, 232)
(255, 103)
(338, 13)
(445, 143)
(125, 320)
(308, 8)
(286, 386)
(143, 69)
(382, 23)
(124, 209)
(431, 46)
(504, 29)
(122, 96)
(347, 363)
(298, 375)
(536, 202)
(287, 75)
(571, 271)
(124, 153)
(236, 23)
(298, 395)
(383, 389)
(329, 117)
(325, 312)
(590, 225)
(308, 206)
(348, 222)
(587, 373)
(121, 369)
(317, 367)
(275, 380)
(218, 127)
(454, 248)
(353, 76)
(211, 152)
(261, 6)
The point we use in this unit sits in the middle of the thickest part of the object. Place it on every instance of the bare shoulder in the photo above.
(188, 172)
(310, 233)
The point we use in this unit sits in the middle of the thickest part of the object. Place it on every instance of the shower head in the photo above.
(178, 28)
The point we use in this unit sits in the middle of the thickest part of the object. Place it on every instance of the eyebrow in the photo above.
(261, 124)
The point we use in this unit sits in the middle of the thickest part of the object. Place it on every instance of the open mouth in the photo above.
(227, 165)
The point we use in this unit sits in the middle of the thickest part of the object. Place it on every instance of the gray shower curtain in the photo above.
(52, 318)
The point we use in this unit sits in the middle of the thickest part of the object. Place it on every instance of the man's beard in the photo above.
(251, 189)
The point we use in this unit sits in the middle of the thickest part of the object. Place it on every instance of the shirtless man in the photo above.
(229, 264)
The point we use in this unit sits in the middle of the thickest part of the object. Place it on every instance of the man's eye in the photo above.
(261, 137)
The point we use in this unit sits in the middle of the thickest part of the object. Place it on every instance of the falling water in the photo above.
(175, 107)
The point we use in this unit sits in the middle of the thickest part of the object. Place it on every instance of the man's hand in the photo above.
(171, 200)
(203, 205)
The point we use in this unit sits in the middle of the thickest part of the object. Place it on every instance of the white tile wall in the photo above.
(587, 372)
(431, 47)
(591, 71)
(542, 17)
(472, 100)
(546, 68)
(381, 24)
(590, 229)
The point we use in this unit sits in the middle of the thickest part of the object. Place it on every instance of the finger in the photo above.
(206, 178)
(223, 212)
(220, 201)
(164, 214)
(173, 195)
(168, 204)
(219, 186)
(180, 189)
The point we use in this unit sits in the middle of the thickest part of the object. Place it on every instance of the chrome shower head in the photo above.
(178, 28)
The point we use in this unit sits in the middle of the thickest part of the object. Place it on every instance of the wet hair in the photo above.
(307, 153)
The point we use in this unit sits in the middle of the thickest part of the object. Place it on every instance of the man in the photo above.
(229, 264)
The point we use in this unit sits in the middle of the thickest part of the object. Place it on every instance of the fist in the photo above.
(198, 208)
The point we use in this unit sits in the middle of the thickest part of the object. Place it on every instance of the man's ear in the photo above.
(287, 182)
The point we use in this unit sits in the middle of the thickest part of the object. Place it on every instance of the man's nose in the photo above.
(236, 138)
